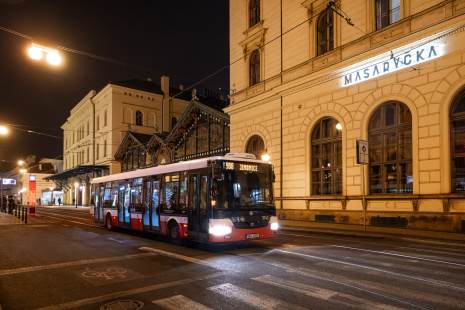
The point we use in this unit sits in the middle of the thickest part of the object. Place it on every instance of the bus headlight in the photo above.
(274, 226)
(220, 230)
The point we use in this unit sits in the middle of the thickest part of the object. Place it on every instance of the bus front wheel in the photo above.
(109, 222)
(175, 234)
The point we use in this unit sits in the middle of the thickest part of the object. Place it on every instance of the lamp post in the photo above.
(75, 192)
(37, 51)
(51, 193)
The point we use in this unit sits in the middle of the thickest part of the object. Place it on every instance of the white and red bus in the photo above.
(215, 199)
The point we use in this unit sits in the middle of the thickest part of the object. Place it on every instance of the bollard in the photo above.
(25, 217)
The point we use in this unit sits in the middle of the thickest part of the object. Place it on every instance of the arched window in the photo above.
(256, 146)
(254, 67)
(139, 117)
(254, 12)
(457, 143)
(325, 32)
(327, 157)
(390, 141)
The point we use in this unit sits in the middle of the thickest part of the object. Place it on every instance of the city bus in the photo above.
(215, 199)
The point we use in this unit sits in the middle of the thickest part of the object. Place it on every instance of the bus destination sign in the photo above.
(238, 166)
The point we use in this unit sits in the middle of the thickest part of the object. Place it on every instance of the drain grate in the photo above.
(123, 305)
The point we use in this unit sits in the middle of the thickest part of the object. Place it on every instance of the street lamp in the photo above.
(36, 52)
(3, 130)
(75, 192)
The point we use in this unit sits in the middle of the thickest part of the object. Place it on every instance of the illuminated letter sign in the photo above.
(244, 167)
(407, 59)
(9, 182)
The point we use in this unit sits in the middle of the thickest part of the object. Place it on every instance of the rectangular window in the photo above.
(387, 12)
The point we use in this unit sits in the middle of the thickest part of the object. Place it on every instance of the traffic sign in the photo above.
(362, 152)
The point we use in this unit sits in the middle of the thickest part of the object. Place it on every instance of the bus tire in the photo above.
(109, 222)
(174, 233)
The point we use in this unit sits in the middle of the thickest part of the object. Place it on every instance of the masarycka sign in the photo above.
(407, 59)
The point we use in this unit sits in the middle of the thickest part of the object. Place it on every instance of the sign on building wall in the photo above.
(404, 60)
(362, 152)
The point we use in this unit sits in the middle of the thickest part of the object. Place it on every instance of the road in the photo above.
(60, 260)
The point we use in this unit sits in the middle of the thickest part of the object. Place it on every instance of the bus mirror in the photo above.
(216, 171)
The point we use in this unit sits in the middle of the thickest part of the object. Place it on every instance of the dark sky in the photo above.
(187, 40)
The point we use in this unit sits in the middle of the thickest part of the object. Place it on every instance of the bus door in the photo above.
(123, 207)
(147, 193)
(197, 210)
(99, 215)
(155, 203)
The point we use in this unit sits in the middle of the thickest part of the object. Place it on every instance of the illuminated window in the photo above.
(325, 32)
(457, 136)
(256, 146)
(254, 12)
(254, 67)
(139, 117)
(327, 158)
(387, 12)
(390, 141)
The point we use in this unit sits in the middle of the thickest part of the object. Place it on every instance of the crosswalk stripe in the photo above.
(179, 302)
(251, 298)
(340, 299)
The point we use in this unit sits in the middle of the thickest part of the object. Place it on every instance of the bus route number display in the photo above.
(242, 167)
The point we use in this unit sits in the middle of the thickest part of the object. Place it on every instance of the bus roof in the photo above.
(176, 167)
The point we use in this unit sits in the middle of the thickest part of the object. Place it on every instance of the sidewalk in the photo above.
(9, 219)
(371, 231)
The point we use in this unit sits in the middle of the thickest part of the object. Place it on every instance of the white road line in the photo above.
(343, 299)
(119, 241)
(375, 269)
(77, 228)
(399, 255)
(179, 302)
(70, 264)
(254, 299)
(182, 257)
(141, 290)
(76, 222)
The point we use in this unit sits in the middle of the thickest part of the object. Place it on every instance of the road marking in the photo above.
(68, 220)
(77, 228)
(74, 263)
(254, 299)
(182, 257)
(119, 241)
(93, 300)
(179, 302)
(343, 299)
(375, 269)
(399, 255)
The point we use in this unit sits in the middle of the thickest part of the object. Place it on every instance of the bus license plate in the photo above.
(252, 236)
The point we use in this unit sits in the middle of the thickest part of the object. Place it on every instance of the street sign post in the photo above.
(363, 159)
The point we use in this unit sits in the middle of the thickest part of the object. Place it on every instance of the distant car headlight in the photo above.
(220, 230)
(274, 226)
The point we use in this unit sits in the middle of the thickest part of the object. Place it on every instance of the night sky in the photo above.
(186, 40)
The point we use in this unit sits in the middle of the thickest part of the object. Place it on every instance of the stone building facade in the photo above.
(310, 78)
(98, 124)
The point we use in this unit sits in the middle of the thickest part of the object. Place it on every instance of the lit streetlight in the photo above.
(36, 52)
(3, 130)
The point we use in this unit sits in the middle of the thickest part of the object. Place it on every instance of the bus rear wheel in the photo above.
(174, 233)
(109, 222)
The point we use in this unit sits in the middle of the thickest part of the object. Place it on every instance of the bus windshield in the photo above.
(243, 186)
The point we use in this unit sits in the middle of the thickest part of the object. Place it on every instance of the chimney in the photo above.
(165, 85)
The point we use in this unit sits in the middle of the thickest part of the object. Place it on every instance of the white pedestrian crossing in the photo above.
(252, 298)
(179, 302)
